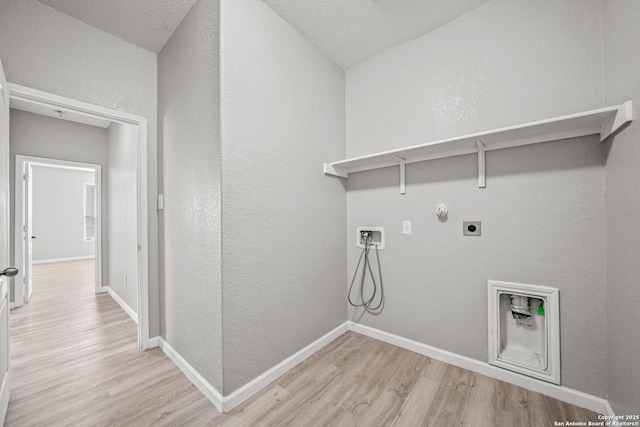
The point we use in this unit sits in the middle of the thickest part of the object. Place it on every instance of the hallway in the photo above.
(74, 361)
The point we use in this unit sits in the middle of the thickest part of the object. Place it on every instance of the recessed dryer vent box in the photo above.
(376, 233)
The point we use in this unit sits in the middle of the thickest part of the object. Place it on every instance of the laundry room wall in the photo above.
(621, 83)
(283, 221)
(543, 208)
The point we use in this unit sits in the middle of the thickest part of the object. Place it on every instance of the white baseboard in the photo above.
(75, 258)
(564, 394)
(198, 380)
(609, 409)
(257, 384)
(227, 403)
(154, 342)
(4, 401)
(131, 312)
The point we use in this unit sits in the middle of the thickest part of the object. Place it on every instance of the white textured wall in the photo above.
(58, 213)
(48, 50)
(40, 136)
(622, 82)
(189, 115)
(283, 235)
(543, 211)
(507, 62)
(123, 217)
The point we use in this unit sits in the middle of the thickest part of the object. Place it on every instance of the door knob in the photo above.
(9, 272)
(33, 237)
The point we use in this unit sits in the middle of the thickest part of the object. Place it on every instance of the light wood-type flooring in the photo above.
(75, 363)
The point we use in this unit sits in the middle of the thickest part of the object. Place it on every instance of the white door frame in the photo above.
(5, 250)
(21, 163)
(34, 96)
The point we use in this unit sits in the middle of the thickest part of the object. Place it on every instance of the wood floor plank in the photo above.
(75, 362)
(450, 400)
(384, 408)
(478, 410)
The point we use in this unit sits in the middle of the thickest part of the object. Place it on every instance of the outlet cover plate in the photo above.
(406, 227)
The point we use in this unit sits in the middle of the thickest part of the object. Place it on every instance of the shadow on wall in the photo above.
(611, 139)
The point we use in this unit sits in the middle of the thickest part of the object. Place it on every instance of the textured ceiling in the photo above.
(347, 31)
(145, 23)
(351, 31)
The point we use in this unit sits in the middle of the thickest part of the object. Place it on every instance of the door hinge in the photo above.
(24, 176)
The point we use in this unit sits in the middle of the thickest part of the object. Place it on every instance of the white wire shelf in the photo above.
(603, 121)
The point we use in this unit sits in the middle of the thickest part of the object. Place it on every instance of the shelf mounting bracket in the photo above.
(329, 169)
(403, 183)
(482, 176)
(612, 124)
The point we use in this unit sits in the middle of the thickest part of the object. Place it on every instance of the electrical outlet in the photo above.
(471, 228)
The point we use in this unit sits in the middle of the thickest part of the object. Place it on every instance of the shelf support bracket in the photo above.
(329, 169)
(403, 183)
(482, 176)
(622, 116)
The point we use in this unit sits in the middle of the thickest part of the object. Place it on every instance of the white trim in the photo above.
(227, 403)
(86, 185)
(21, 162)
(74, 258)
(564, 394)
(154, 342)
(121, 303)
(260, 382)
(4, 400)
(608, 409)
(143, 238)
(36, 96)
(550, 296)
(48, 99)
(194, 376)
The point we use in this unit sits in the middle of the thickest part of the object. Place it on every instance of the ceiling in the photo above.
(45, 110)
(347, 31)
(145, 23)
(351, 31)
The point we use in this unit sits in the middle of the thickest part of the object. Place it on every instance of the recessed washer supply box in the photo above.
(377, 236)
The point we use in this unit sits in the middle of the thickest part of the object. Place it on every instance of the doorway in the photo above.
(38, 100)
(69, 221)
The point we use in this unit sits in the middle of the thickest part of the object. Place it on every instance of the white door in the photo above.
(4, 246)
(27, 272)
